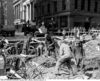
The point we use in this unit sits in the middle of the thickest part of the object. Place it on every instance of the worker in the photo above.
(64, 56)
(49, 42)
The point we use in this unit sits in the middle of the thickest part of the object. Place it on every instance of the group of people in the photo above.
(71, 52)
(68, 50)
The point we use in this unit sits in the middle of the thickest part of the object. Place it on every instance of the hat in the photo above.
(42, 23)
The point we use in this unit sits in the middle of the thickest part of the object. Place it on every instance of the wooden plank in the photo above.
(21, 56)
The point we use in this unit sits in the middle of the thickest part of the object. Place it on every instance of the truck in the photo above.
(7, 30)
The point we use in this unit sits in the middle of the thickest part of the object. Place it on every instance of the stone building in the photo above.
(28, 10)
(23, 10)
(8, 12)
(69, 13)
(17, 5)
(1, 14)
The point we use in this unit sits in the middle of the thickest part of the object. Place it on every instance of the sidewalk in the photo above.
(18, 36)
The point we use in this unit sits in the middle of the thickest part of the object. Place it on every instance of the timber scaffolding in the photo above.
(11, 60)
(22, 56)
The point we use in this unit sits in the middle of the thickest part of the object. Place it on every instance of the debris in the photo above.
(13, 72)
(3, 77)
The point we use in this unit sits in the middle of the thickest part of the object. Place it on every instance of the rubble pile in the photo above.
(41, 67)
(92, 49)
(92, 54)
(44, 67)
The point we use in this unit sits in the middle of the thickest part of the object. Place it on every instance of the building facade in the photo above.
(23, 10)
(8, 12)
(17, 5)
(69, 13)
(1, 13)
(28, 10)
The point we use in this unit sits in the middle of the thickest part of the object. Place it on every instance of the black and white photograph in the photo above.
(49, 39)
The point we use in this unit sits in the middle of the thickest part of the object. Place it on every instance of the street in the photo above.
(49, 39)
(46, 65)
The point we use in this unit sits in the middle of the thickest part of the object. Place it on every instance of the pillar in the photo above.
(30, 11)
(26, 12)
(58, 21)
(70, 22)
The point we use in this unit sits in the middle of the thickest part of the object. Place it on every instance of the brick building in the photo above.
(69, 13)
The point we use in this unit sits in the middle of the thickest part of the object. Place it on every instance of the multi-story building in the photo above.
(23, 10)
(1, 13)
(28, 10)
(17, 5)
(69, 13)
(8, 12)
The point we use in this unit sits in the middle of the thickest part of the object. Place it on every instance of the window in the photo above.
(5, 21)
(63, 4)
(48, 8)
(82, 4)
(96, 6)
(89, 5)
(76, 4)
(42, 10)
(55, 6)
(78, 24)
(0, 4)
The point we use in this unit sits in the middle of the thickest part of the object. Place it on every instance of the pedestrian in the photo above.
(30, 35)
(64, 33)
(40, 48)
(77, 33)
(43, 29)
(5, 42)
(27, 44)
(78, 51)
